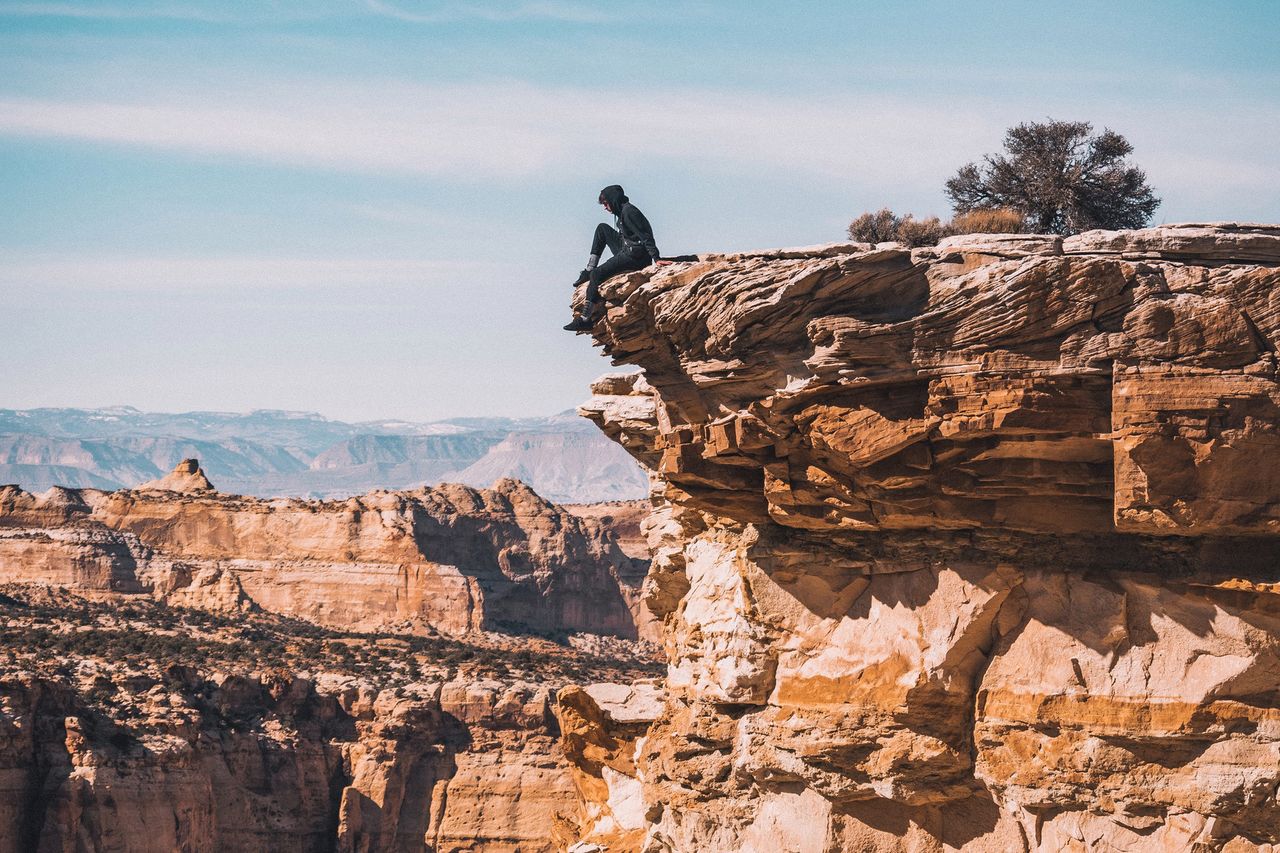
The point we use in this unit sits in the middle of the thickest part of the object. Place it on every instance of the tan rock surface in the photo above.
(626, 521)
(600, 730)
(278, 766)
(963, 548)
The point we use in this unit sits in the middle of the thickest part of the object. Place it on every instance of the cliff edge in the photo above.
(972, 547)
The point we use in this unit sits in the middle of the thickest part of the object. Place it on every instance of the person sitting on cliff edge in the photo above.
(631, 243)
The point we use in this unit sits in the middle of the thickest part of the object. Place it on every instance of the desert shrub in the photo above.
(878, 227)
(921, 232)
(995, 220)
(885, 226)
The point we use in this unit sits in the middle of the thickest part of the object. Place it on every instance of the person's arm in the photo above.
(638, 225)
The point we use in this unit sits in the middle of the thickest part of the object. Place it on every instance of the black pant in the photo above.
(625, 259)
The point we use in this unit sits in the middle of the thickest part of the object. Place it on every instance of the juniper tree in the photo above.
(1061, 177)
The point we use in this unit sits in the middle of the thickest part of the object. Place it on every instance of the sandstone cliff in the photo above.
(280, 763)
(449, 558)
(972, 547)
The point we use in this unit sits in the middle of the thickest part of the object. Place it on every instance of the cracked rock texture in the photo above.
(446, 558)
(969, 548)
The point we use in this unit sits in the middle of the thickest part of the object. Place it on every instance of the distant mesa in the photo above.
(185, 477)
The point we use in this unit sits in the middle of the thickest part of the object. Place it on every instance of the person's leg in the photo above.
(606, 235)
(616, 265)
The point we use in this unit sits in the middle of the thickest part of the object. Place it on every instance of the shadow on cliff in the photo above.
(417, 769)
(883, 297)
(1104, 606)
(253, 788)
(571, 591)
(953, 824)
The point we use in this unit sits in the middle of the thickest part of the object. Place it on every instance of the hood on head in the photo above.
(615, 197)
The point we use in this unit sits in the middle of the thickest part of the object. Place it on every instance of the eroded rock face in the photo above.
(601, 728)
(448, 558)
(282, 763)
(972, 547)
(625, 521)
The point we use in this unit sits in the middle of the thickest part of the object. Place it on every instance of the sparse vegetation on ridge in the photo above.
(54, 632)
(885, 226)
(1062, 177)
(1056, 177)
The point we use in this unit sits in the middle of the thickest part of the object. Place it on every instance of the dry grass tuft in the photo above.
(996, 220)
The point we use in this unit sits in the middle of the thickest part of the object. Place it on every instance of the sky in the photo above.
(375, 208)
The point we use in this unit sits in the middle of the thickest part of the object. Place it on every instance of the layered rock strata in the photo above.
(971, 547)
(449, 558)
(626, 521)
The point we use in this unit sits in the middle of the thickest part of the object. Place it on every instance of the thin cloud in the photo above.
(432, 13)
(399, 213)
(496, 12)
(509, 131)
(134, 12)
(514, 130)
(188, 273)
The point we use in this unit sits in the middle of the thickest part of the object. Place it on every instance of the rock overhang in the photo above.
(1018, 381)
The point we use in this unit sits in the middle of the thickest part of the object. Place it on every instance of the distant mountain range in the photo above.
(272, 453)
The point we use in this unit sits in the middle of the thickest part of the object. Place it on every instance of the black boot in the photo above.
(582, 322)
(583, 278)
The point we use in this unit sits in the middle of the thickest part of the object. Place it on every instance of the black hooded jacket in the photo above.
(634, 228)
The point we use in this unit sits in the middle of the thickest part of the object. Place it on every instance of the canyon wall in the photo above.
(971, 547)
(281, 763)
(448, 558)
